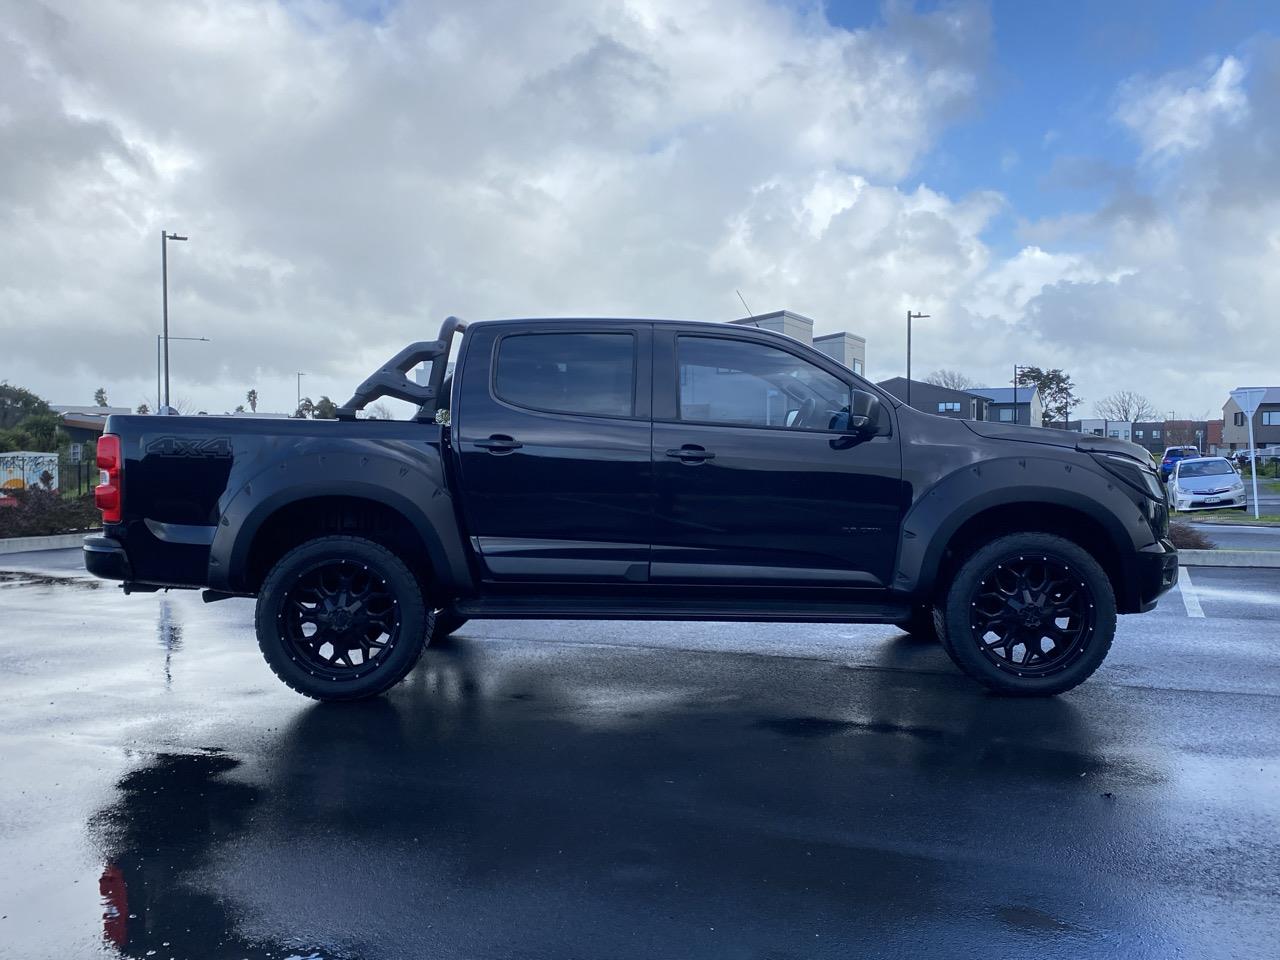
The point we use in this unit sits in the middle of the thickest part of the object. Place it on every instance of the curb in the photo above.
(1229, 558)
(59, 542)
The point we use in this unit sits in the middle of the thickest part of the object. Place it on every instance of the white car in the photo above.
(1206, 483)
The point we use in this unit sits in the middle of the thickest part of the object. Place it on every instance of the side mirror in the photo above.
(862, 416)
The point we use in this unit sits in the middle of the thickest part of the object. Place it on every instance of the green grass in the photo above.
(1228, 516)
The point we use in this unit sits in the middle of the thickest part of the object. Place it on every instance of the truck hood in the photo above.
(1086, 443)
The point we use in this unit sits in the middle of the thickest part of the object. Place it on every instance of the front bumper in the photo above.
(1157, 572)
(105, 557)
(1222, 501)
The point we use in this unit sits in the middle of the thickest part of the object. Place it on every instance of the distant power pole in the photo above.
(299, 400)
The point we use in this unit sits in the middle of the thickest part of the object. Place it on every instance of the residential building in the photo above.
(83, 424)
(1013, 404)
(843, 347)
(1115, 429)
(943, 401)
(1151, 435)
(1266, 422)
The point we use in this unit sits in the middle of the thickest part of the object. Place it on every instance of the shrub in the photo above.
(40, 513)
(1187, 537)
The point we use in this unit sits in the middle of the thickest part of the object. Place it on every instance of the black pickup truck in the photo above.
(636, 469)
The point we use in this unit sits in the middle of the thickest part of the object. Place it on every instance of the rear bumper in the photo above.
(1157, 572)
(105, 557)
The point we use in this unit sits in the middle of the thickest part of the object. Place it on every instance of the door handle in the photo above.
(499, 443)
(690, 453)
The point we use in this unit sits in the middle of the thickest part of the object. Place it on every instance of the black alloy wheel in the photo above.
(338, 618)
(1032, 615)
(341, 618)
(1029, 614)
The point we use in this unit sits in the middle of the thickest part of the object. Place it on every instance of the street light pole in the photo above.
(160, 409)
(165, 237)
(298, 403)
(911, 316)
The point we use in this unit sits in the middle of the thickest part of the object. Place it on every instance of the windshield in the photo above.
(1205, 468)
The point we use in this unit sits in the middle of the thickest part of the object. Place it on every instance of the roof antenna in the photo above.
(750, 316)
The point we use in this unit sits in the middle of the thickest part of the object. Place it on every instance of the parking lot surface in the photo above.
(605, 790)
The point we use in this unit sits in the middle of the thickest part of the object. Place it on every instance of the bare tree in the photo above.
(1126, 406)
(951, 379)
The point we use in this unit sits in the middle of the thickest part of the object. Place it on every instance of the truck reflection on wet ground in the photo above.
(492, 809)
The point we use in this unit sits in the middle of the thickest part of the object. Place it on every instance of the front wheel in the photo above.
(1030, 614)
(341, 618)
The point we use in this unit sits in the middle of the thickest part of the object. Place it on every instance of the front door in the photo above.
(553, 437)
(754, 482)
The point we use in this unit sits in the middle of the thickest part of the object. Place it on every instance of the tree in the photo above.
(1057, 392)
(100, 396)
(325, 409)
(143, 408)
(1126, 406)
(379, 411)
(252, 398)
(951, 379)
(18, 403)
(305, 409)
(239, 408)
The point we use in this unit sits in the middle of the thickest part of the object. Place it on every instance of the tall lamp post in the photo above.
(1016, 368)
(299, 400)
(159, 408)
(911, 316)
(165, 237)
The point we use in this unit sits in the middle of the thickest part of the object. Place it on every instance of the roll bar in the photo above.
(391, 379)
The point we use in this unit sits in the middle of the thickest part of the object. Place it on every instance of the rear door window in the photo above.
(590, 374)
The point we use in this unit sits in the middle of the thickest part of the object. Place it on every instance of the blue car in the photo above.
(1171, 457)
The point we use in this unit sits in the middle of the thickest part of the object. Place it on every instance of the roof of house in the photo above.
(88, 410)
(1005, 394)
(898, 387)
(1272, 394)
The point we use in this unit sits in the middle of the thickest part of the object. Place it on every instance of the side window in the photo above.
(743, 384)
(583, 373)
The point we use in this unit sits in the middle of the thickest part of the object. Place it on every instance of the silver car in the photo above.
(1206, 483)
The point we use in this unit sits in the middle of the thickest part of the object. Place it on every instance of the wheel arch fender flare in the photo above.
(405, 481)
(933, 521)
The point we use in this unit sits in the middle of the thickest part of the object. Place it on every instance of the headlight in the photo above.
(1134, 473)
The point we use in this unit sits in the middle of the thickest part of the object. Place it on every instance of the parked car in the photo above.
(1171, 456)
(1206, 483)
(652, 470)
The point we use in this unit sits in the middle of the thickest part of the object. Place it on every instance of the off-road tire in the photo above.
(392, 665)
(1079, 662)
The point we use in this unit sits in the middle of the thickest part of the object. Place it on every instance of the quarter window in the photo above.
(754, 385)
(583, 373)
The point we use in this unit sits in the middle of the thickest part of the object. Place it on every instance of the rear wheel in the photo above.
(1030, 614)
(341, 618)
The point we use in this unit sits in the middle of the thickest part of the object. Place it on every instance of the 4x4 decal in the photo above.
(212, 449)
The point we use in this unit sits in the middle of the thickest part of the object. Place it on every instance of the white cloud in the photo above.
(1178, 112)
(347, 183)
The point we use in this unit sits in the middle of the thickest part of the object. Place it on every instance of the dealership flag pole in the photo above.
(1248, 398)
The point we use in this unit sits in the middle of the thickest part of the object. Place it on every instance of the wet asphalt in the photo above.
(601, 790)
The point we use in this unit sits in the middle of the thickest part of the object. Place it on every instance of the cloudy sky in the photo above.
(1060, 184)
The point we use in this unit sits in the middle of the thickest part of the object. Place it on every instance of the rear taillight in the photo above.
(107, 495)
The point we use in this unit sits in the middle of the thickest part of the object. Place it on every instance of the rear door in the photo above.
(553, 437)
(753, 483)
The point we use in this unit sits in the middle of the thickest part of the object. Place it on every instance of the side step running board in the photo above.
(541, 608)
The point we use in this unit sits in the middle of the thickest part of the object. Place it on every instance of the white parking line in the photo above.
(1188, 591)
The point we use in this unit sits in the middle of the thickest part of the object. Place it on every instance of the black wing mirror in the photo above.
(862, 418)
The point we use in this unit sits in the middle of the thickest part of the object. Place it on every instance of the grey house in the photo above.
(943, 401)
(1266, 422)
(1013, 405)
